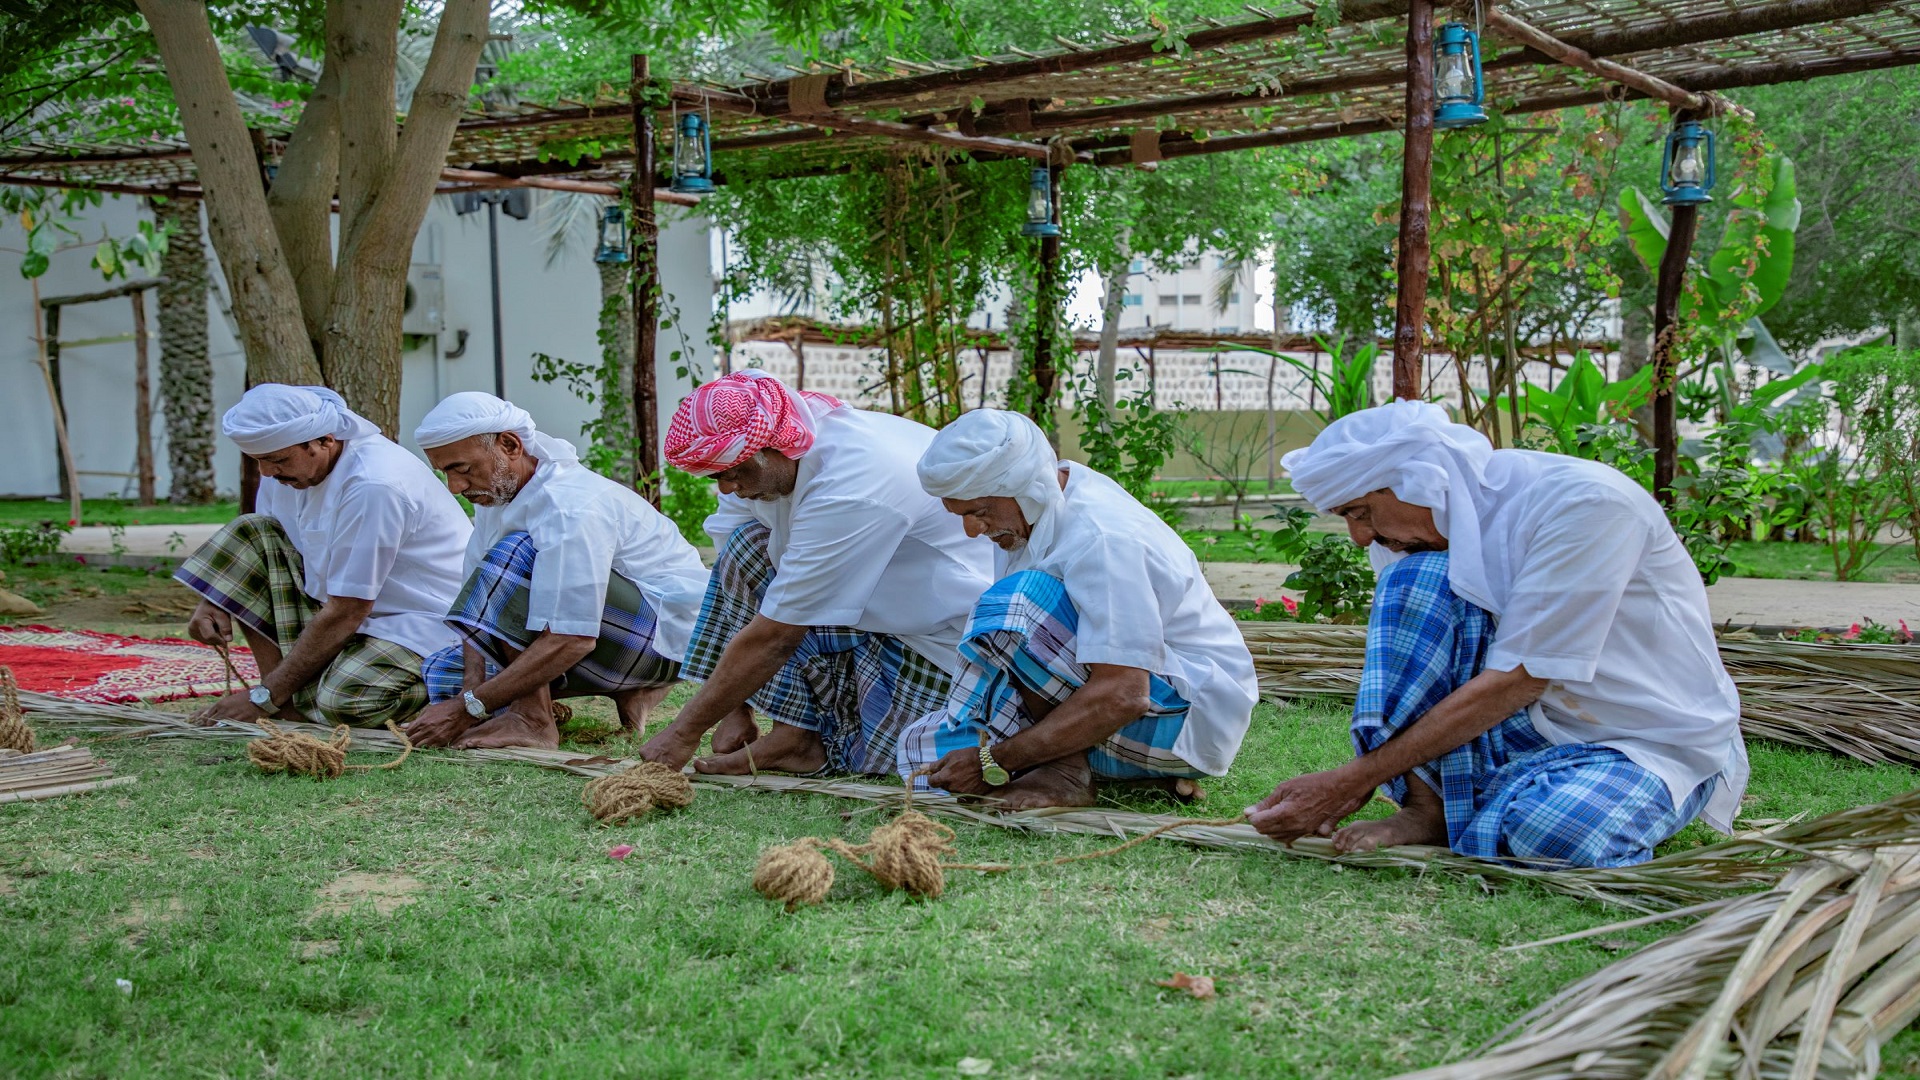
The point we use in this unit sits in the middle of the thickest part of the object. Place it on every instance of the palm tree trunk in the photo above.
(186, 371)
(616, 364)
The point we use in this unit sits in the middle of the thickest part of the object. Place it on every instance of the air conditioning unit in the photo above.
(425, 301)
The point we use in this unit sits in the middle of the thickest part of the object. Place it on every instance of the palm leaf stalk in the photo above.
(1804, 980)
(1712, 875)
(1860, 701)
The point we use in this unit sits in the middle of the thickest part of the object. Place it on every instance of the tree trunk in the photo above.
(301, 202)
(616, 366)
(1107, 366)
(186, 371)
(266, 303)
(362, 357)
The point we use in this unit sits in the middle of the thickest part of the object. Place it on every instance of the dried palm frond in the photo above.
(1804, 980)
(1710, 874)
(48, 774)
(1862, 701)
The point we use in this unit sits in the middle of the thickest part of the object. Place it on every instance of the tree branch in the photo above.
(363, 48)
(301, 201)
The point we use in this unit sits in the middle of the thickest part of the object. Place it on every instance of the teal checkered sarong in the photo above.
(251, 570)
(857, 689)
(1022, 633)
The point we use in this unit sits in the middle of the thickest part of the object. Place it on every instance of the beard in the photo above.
(1008, 540)
(501, 487)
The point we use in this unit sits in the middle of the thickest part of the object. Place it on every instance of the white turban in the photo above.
(464, 415)
(991, 453)
(1414, 450)
(274, 416)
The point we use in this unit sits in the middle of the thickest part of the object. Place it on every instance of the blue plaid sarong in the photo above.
(1022, 633)
(857, 689)
(1509, 793)
(491, 615)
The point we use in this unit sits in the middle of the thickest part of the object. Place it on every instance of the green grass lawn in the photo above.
(1814, 562)
(460, 919)
(15, 512)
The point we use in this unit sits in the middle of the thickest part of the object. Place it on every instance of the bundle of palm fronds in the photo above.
(1862, 701)
(1705, 874)
(1804, 980)
(49, 774)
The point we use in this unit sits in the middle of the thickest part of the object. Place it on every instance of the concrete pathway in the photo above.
(1737, 600)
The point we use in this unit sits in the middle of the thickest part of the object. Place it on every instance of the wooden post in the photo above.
(1044, 315)
(142, 401)
(1666, 305)
(645, 237)
(1416, 185)
(59, 395)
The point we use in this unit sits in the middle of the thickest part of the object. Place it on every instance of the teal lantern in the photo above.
(1458, 91)
(1040, 205)
(613, 237)
(1687, 168)
(692, 156)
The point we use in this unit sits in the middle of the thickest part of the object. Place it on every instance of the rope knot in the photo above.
(635, 792)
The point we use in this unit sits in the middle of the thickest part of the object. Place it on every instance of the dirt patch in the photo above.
(163, 602)
(144, 915)
(387, 893)
(315, 950)
(7, 886)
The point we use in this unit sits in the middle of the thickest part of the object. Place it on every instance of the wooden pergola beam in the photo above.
(997, 118)
(774, 99)
(1114, 151)
(483, 179)
(1541, 41)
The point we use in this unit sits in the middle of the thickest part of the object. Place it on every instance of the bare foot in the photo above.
(736, 731)
(636, 706)
(1180, 788)
(512, 727)
(673, 747)
(1423, 820)
(786, 749)
(1065, 782)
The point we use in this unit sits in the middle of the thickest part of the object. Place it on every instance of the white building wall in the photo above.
(551, 309)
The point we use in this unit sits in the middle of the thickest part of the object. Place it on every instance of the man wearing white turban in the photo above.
(1099, 654)
(1541, 678)
(341, 578)
(575, 585)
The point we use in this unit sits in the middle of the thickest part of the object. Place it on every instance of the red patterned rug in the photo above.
(89, 666)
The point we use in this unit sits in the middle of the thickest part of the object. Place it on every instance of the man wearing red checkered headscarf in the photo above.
(741, 414)
(841, 588)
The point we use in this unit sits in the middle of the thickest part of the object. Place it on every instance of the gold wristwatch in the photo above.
(990, 770)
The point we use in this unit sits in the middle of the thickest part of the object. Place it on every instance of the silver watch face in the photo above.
(474, 707)
(260, 696)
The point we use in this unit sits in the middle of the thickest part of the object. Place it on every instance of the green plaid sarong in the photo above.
(252, 571)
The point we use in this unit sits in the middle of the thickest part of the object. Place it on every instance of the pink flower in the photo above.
(620, 852)
(71, 522)
(1906, 635)
(1259, 602)
(1292, 605)
(1852, 632)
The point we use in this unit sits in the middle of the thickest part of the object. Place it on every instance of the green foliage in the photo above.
(1130, 445)
(1855, 495)
(1577, 414)
(688, 501)
(610, 450)
(52, 219)
(19, 543)
(1887, 425)
(1335, 579)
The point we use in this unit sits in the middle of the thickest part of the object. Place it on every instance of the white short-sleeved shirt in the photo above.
(380, 527)
(1606, 604)
(859, 544)
(1143, 603)
(585, 528)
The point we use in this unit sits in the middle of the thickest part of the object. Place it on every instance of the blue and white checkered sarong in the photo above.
(1509, 793)
(857, 689)
(491, 615)
(1022, 633)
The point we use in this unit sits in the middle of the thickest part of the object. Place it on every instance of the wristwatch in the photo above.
(990, 770)
(262, 698)
(475, 707)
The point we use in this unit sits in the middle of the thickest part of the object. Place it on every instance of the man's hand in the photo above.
(959, 773)
(439, 724)
(208, 625)
(1312, 804)
(234, 706)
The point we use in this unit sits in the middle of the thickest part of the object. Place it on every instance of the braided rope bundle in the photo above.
(14, 732)
(300, 754)
(636, 792)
